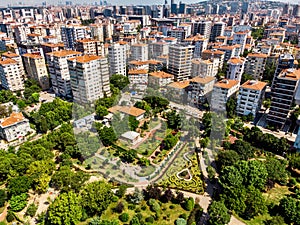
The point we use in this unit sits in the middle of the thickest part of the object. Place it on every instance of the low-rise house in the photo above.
(128, 110)
(13, 127)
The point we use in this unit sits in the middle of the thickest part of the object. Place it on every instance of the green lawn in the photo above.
(153, 123)
(274, 195)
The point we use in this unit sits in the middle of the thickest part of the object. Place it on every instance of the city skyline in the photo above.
(113, 2)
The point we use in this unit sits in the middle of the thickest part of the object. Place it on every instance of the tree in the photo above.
(246, 77)
(135, 221)
(96, 197)
(2, 197)
(107, 135)
(124, 217)
(189, 204)
(121, 191)
(19, 185)
(227, 158)
(218, 213)
(119, 81)
(133, 123)
(65, 210)
(18, 202)
(154, 206)
(173, 120)
(101, 111)
(243, 148)
(231, 107)
(211, 172)
(255, 203)
(275, 220)
(170, 141)
(276, 170)
(136, 197)
(168, 195)
(267, 103)
(31, 210)
(204, 142)
(129, 156)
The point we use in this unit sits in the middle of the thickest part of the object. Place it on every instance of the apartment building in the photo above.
(200, 45)
(117, 58)
(160, 79)
(255, 65)
(200, 88)
(178, 91)
(11, 74)
(284, 87)
(139, 52)
(250, 97)
(35, 68)
(72, 33)
(14, 127)
(217, 30)
(235, 68)
(157, 49)
(222, 91)
(180, 61)
(203, 28)
(59, 71)
(230, 51)
(137, 76)
(205, 68)
(89, 78)
(240, 38)
(89, 47)
(210, 54)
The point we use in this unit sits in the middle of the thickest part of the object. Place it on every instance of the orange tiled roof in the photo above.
(137, 72)
(85, 58)
(129, 110)
(34, 56)
(257, 55)
(7, 61)
(254, 84)
(180, 84)
(64, 53)
(10, 55)
(202, 80)
(12, 119)
(235, 60)
(161, 74)
(226, 83)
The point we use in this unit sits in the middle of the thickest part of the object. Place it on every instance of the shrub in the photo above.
(31, 210)
(18, 202)
(131, 206)
(119, 208)
(115, 198)
(144, 207)
(124, 217)
(10, 216)
(154, 206)
(189, 204)
(137, 210)
(139, 216)
(150, 219)
(171, 206)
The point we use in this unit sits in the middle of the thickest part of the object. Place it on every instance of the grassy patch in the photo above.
(274, 195)
(146, 171)
(258, 220)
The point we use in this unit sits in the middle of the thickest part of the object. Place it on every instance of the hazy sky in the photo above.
(135, 2)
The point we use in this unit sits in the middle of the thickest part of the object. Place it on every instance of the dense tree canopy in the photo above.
(65, 210)
(218, 213)
(119, 81)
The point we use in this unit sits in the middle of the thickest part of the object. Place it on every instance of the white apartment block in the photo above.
(71, 33)
(241, 38)
(89, 78)
(255, 65)
(139, 52)
(200, 88)
(89, 47)
(160, 79)
(97, 32)
(35, 68)
(250, 97)
(158, 49)
(205, 68)
(11, 75)
(235, 68)
(59, 71)
(217, 30)
(230, 51)
(180, 61)
(210, 54)
(117, 58)
(13, 127)
(222, 91)
(200, 45)
(138, 76)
